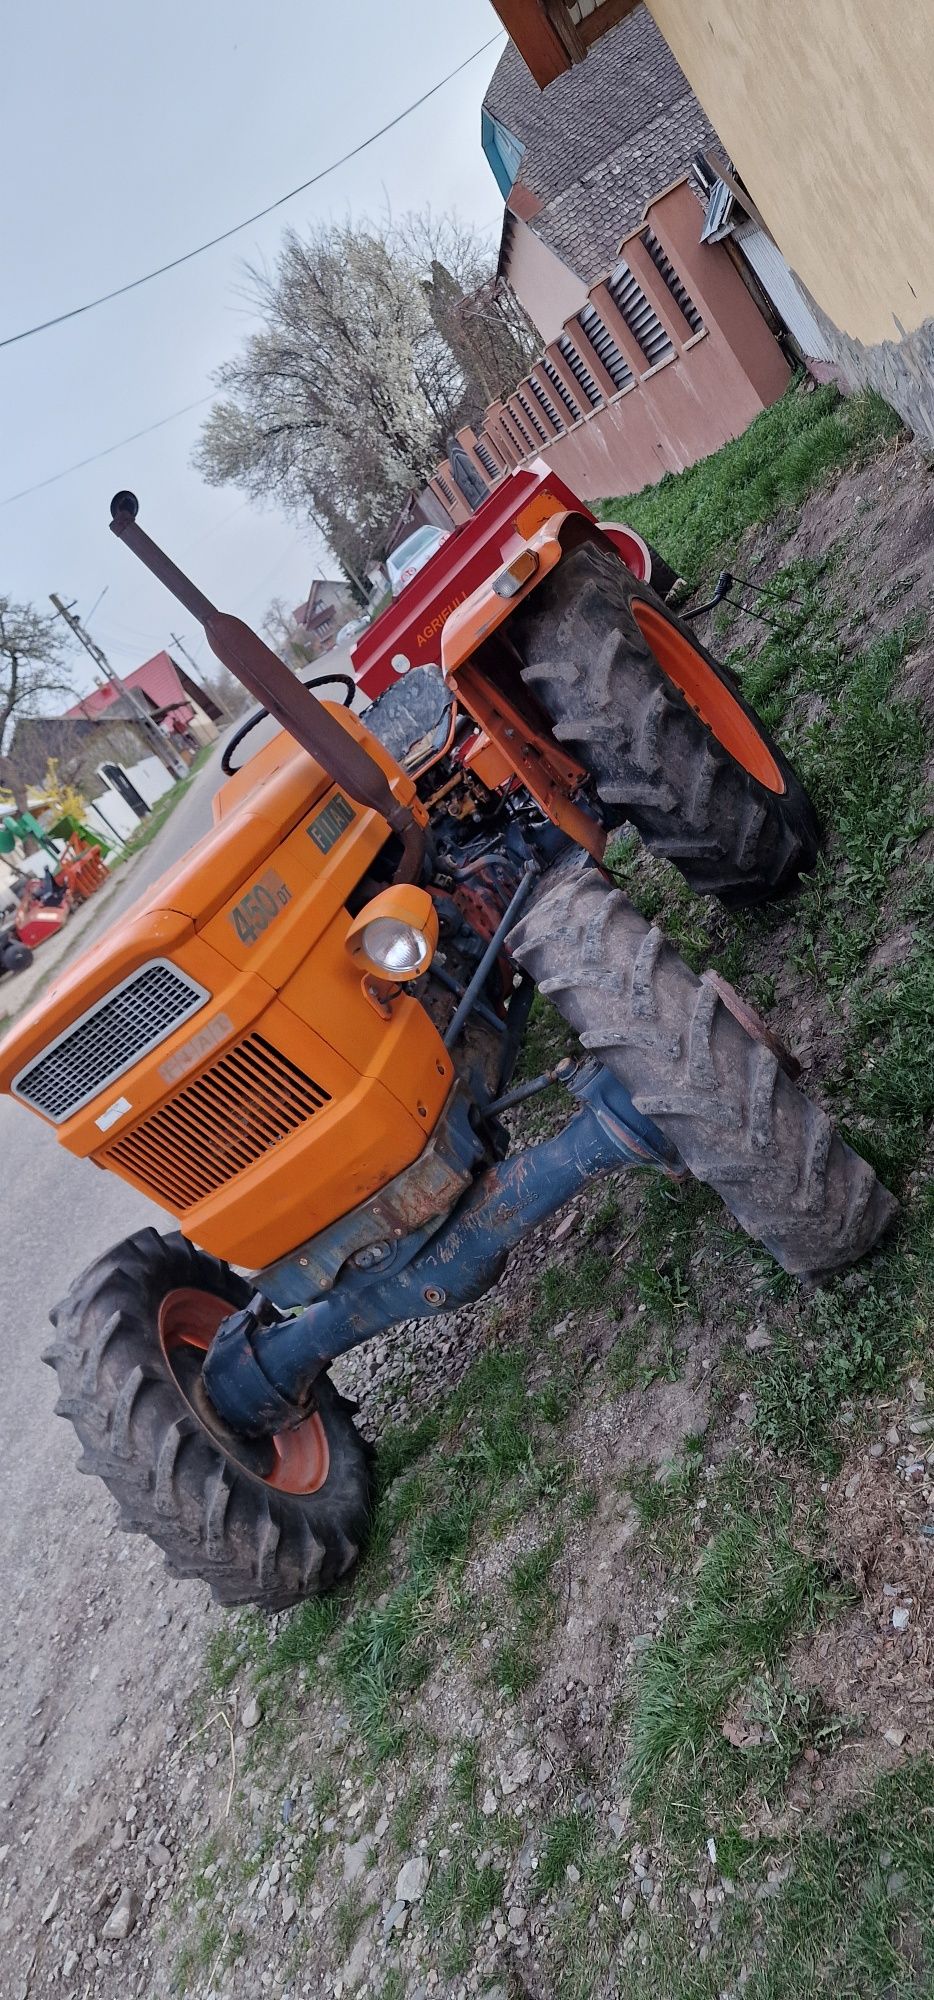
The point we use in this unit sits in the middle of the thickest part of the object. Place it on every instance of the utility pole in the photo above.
(176, 641)
(184, 650)
(134, 701)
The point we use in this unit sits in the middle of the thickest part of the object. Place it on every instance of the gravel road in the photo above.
(97, 1643)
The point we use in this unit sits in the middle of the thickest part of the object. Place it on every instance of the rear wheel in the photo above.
(265, 1523)
(717, 1092)
(664, 730)
(15, 957)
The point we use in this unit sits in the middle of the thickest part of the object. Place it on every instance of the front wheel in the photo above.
(720, 1095)
(664, 730)
(264, 1523)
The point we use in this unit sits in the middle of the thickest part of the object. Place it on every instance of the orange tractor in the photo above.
(302, 1040)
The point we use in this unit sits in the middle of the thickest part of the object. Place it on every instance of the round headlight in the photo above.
(397, 949)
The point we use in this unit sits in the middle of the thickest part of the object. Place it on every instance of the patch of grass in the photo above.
(306, 1873)
(887, 1075)
(392, 1986)
(350, 1913)
(584, 1286)
(669, 1217)
(408, 1814)
(463, 1891)
(516, 1664)
(586, 1502)
(755, 1588)
(199, 1954)
(697, 515)
(568, 1839)
(301, 1641)
(665, 1499)
(604, 1218)
(865, 767)
(856, 1342)
(466, 1783)
(853, 1920)
(487, 1460)
(383, 1654)
(547, 1041)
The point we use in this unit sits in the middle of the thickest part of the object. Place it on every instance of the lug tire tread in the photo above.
(652, 759)
(170, 1478)
(720, 1096)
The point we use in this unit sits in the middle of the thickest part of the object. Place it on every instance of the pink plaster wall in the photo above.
(708, 391)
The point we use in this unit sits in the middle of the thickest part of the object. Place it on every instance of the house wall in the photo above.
(828, 113)
(710, 384)
(110, 816)
(549, 292)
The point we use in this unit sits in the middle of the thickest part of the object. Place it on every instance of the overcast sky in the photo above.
(129, 134)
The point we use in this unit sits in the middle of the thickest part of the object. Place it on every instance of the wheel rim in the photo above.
(704, 691)
(293, 1461)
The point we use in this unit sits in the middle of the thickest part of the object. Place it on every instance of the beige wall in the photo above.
(546, 288)
(828, 112)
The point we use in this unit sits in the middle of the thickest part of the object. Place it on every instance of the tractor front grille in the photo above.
(228, 1118)
(135, 1017)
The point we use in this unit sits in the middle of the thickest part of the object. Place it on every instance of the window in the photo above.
(503, 152)
(414, 544)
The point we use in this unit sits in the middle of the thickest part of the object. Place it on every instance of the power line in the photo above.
(224, 236)
(108, 448)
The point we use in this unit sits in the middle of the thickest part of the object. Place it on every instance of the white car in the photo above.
(412, 555)
(351, 630)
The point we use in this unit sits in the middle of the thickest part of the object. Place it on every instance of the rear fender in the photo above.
(491, 691)
(548, 533)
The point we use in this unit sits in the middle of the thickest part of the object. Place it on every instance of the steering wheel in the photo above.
(259, 715)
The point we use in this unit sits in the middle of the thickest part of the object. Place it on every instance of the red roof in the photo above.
(156, 678)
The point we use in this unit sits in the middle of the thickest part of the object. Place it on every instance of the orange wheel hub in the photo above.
(711, 699)
(293, 1461)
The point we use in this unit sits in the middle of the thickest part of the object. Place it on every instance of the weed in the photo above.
(754, 1587)
(567, 1841)
(408, 1814)
(350, 1913)
(858, 1340)
(664, 1500)
(392, 1987)
(462, 1893)
(516, 1664)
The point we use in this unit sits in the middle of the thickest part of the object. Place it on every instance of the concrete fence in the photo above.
(669, 358)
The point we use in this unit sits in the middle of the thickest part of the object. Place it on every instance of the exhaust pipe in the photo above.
(294, 707)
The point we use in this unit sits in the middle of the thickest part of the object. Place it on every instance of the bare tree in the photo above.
(289, 642)
(366, 360)
(33, 668)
